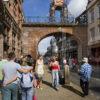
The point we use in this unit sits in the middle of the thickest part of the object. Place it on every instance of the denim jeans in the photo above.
(84, 86)
(9, 92)
(55, 78)
(28, 95)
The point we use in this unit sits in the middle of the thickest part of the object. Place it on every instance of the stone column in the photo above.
(64, 14)
(1, 45)
(10, 39)
(79, 52)
(52, 13)
(16, 45)
(19, 47)
(11, 7)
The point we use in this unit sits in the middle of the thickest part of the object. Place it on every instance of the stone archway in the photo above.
(35, 33)
(75, 38)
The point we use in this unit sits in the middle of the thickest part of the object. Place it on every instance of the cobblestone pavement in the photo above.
(65, 92)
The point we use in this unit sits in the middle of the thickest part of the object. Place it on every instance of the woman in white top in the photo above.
(40, 71)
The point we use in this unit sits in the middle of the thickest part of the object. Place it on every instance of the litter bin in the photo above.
(67, 74)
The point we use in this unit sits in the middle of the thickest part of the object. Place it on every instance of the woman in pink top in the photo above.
(54, 64)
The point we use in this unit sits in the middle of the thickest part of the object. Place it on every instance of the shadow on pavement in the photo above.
(73, 90)
(96, 89)
(47, 83)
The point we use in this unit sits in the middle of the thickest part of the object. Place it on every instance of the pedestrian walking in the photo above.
(74, 63)
(39, 71)
(28, 90)
(85, 75)
(10, 86)
(55, 72)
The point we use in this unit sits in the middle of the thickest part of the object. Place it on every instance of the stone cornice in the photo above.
(52, 25)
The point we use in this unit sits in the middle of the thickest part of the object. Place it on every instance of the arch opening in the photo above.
(59, 44)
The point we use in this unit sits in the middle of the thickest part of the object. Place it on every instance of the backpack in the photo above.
(26, 81)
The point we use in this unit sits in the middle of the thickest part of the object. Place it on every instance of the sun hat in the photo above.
(85, 59)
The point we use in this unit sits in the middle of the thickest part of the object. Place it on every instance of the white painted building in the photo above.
(93, 13)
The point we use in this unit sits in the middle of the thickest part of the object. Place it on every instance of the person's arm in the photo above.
(10, 81)
(34, 80)
(50, 64)
(36, 66)
(81, 71)
(58, 65)
(23, 70)
(3, 75)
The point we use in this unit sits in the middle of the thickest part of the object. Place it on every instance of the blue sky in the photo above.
(41, 8)
(36, 7)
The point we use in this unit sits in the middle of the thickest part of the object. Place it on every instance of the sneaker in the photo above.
(57, 88)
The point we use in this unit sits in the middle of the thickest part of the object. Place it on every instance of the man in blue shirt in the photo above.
(85, 75)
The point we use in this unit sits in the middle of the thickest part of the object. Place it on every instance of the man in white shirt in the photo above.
(10, 86)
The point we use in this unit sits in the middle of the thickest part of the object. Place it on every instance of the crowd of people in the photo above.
(19, 78)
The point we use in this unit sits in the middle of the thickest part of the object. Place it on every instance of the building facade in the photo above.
(93, 12)
(67, 47)
(11, 18)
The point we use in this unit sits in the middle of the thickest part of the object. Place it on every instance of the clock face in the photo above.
(58, 2)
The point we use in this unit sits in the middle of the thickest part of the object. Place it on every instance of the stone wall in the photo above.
(36, 33)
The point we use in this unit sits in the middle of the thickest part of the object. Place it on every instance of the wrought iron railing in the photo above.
(48, 20)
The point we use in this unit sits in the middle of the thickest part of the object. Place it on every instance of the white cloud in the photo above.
(77, 6)
(42, 47)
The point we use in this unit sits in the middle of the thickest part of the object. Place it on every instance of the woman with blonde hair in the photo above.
(40, 71)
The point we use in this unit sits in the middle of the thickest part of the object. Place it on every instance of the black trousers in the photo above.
(84, 86)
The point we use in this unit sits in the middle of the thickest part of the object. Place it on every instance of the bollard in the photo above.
(66, 74)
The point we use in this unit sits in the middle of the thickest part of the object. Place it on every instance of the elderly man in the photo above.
(85, 75)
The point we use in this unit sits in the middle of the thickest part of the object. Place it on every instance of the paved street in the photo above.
(94, 84)
(65, 92)
(56, 32)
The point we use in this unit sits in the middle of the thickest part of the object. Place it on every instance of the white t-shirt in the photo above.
(10, 70)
